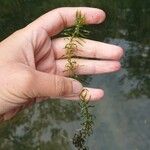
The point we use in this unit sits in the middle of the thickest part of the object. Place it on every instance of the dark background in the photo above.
(123, 116)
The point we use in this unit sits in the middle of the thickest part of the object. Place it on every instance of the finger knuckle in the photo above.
(63, 86)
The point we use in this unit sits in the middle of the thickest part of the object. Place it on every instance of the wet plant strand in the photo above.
(75, 37)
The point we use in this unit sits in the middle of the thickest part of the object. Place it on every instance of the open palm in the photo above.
(33, 63)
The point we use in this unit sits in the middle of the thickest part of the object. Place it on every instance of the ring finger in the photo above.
(85, 66)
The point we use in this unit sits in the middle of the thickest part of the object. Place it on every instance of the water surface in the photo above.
(123, 116)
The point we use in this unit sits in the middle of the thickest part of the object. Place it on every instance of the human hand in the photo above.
(32, 67)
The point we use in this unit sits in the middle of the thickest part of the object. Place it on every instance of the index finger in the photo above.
(56, 20)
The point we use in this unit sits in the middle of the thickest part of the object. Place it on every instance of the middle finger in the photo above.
(88, 49)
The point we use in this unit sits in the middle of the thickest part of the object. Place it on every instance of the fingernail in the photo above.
(77, 87)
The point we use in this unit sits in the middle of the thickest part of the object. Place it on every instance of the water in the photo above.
(123, 116)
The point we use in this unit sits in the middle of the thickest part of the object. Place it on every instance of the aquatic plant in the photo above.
(75, 37)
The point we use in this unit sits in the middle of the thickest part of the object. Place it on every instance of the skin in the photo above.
(32, 64)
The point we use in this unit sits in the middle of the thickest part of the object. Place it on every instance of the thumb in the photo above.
(49, 85)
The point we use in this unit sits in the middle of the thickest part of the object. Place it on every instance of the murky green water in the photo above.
(123, 116)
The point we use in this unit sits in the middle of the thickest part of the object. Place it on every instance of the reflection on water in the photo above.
(122, 117)
(43, 126)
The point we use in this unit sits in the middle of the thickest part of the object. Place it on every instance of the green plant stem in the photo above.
(75, 37)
